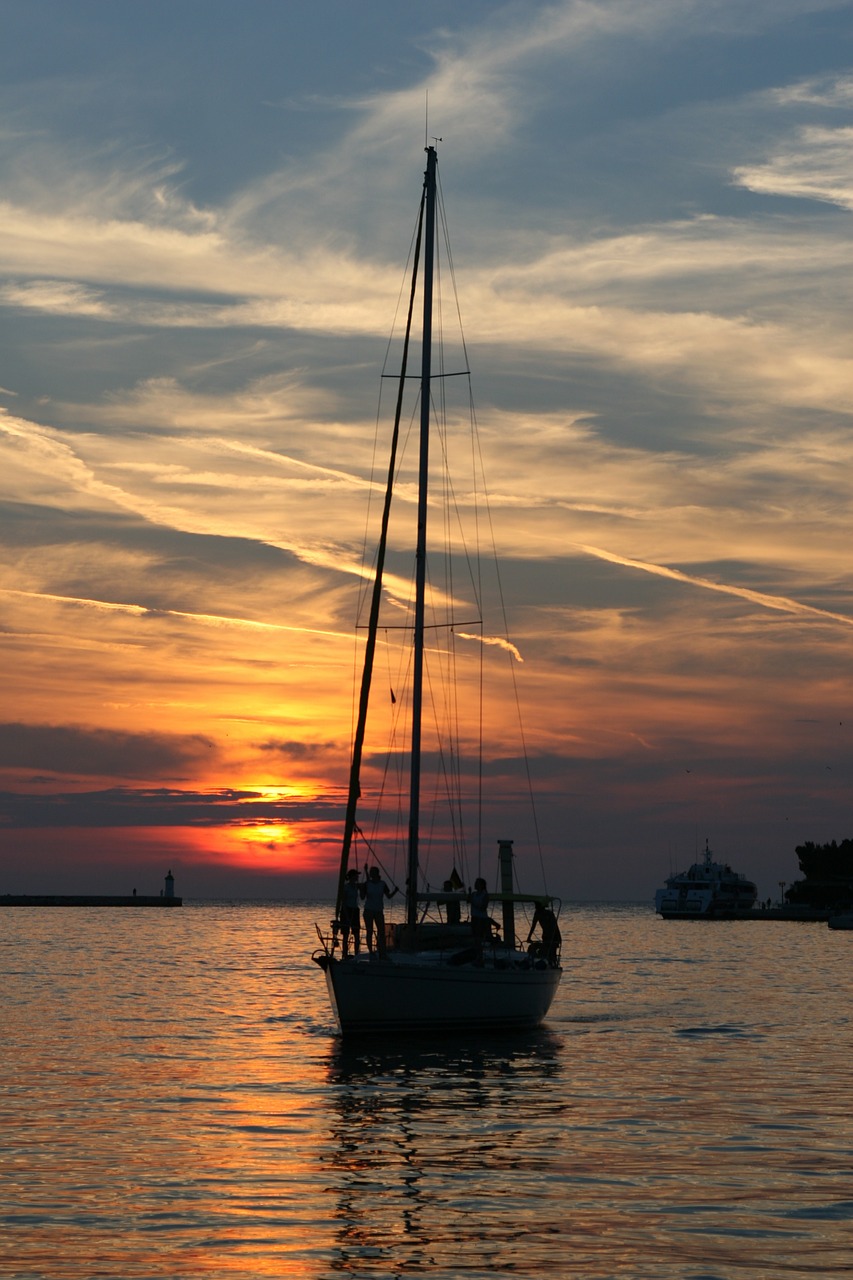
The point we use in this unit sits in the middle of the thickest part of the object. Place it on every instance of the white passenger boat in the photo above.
(706, 890)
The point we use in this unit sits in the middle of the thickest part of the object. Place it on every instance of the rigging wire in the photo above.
(445, 608)
(478, 473)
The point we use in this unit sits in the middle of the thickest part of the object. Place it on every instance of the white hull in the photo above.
(696, 904)
(417, 992)
(842, 921)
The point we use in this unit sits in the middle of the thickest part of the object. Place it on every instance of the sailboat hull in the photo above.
(405, 993)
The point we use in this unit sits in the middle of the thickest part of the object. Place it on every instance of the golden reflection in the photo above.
(408, 1119)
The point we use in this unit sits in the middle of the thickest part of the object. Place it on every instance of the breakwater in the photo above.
(87, 900)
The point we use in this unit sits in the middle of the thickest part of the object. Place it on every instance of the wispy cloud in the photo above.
(817, 91)
(652, 262)
(498, 641)
(765, 600)
(146, 611)
(816, 165)
(57, 297)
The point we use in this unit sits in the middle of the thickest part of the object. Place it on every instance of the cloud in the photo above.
(295, 750)
(192, 493)
(58, 297)
(817, 165)
(819, 91)
(99, 222)
(762, 598)
(498, 641)
(68, 749)
(662, 368)
(306, 288)
(143, 611)
(155, 807)
(486, 83)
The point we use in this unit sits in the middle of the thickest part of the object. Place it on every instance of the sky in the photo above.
(205, 212)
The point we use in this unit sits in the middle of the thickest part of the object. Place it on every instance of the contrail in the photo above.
(141, 611)
(782, 603)
(497, 640)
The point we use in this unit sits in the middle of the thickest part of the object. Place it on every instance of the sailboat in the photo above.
(448, 966)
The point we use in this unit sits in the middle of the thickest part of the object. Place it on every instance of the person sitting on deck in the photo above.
(374, 890)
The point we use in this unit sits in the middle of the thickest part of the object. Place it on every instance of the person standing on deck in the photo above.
(350, 915)
(481, 925)
(552, 939)
(374, 891)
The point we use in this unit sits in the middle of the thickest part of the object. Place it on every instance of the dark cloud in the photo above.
(156, 807)
(87, 752)
(179, 554)
(298, 750)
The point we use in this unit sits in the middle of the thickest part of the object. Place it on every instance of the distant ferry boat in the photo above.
(709, 890)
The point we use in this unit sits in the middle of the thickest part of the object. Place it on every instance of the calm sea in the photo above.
(174, 1102)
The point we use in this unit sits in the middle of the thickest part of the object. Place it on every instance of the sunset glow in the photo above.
(200, 262)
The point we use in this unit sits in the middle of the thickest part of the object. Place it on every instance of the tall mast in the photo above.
(420, 553)
(376, 597)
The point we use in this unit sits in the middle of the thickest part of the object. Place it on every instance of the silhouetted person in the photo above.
(551, 937)
(375, 891)
(350, 914)
(481, 925)
(454, 909)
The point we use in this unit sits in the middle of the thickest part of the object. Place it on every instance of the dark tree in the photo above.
(828, 871)
(826, 861)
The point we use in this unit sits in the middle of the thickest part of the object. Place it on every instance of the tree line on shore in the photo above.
(828, 872)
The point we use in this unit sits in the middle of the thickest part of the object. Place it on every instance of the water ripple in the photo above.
(175, 1104)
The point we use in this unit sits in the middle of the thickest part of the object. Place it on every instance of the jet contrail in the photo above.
(141, 610)
(497, 640)
(783, 603)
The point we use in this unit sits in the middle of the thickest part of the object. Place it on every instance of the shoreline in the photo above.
(86, 900)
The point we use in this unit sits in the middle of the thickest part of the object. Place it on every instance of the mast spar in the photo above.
(421, 548)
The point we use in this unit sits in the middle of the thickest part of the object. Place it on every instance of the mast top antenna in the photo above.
(426, 123)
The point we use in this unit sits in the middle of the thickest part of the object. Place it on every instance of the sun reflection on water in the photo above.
(175, 1103)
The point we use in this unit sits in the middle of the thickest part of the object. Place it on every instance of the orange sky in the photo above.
(196, 287)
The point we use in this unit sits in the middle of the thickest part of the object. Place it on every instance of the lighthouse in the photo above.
(170, 885)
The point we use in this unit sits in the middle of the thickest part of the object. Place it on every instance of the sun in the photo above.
(260, 792)
(270, 836)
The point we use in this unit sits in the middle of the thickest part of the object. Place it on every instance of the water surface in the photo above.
(175, 1102)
